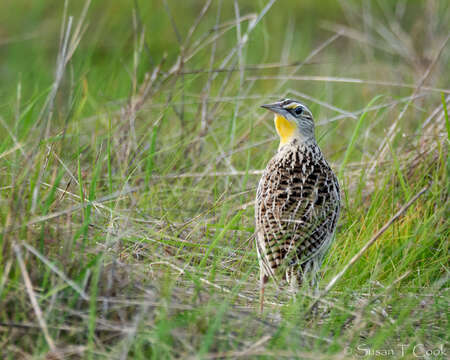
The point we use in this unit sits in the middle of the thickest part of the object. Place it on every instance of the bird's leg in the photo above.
(293, 278)
(315, 284)
(315, 278)
(262, 282)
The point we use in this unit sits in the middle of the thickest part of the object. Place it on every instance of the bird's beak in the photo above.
(275, 107)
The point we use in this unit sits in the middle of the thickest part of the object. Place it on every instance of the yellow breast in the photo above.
(285, 129)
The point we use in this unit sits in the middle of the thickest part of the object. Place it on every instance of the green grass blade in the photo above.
(351, 145)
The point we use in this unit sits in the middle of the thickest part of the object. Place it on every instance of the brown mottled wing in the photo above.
(297, 206)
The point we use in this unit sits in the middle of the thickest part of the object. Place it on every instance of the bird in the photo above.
(297, 202)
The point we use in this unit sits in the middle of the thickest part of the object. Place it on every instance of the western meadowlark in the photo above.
(297, 201)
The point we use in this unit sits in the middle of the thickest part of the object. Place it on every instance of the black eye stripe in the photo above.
(299, 110)
(296, 109)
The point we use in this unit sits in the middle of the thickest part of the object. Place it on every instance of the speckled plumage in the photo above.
(297, 208)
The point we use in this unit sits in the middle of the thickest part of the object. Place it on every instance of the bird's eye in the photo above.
(298, 110)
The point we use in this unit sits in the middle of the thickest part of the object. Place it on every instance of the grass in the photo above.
(132, 143)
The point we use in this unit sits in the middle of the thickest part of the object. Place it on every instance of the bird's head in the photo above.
(293, 120)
